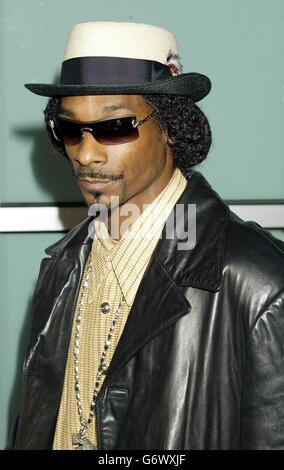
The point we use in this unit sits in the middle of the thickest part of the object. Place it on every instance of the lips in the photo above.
(93, 184)
(92, 180)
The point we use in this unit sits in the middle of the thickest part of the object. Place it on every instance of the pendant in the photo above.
(82, 443)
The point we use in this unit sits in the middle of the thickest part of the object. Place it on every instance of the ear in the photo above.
(170, 141)
(165, 134)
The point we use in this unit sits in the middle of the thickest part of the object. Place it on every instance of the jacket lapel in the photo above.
(160, 299)
(52, 313)
(150, 314)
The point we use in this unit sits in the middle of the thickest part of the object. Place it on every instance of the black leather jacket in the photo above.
(200, 363)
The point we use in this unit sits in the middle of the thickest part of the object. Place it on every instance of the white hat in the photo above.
(108, 57)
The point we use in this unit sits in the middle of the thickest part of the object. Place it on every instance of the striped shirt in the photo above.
(117, 268)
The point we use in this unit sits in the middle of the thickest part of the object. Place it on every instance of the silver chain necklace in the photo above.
(80, 440)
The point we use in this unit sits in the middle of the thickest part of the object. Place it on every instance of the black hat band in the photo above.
(111, 71)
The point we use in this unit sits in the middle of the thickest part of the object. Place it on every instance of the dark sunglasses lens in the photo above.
(116, 131)
(69, 132)
(109, 132)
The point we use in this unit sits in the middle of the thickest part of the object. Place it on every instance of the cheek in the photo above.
(71, 155)
(140, 169)
(129, 158)
(137, 155)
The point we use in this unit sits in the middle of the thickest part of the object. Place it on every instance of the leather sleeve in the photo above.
(12, 437)
(262, 405)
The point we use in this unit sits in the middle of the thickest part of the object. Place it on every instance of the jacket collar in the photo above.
(200, 266)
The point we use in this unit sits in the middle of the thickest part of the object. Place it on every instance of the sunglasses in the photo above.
(108, 132)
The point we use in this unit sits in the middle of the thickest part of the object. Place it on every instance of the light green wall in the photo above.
(20, 256)
(238, 44)
(278, 234)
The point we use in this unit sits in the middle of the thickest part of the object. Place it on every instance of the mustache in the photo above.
(95, 175)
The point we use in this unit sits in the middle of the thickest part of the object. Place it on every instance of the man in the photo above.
(163, 330)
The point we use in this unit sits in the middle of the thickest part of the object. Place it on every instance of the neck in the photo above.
(118, 224)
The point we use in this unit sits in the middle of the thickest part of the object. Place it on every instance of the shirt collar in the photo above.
(143, 234)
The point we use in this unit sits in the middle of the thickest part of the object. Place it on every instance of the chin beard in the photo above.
(100, 199)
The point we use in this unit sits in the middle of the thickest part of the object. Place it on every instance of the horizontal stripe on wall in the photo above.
(61, 218)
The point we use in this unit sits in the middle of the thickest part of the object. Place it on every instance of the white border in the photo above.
(58, 219)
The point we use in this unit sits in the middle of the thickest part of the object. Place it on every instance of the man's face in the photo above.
(138, 170)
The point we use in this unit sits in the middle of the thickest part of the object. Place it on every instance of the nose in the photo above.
(90, 151)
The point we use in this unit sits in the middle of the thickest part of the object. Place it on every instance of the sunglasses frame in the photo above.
(88, 129)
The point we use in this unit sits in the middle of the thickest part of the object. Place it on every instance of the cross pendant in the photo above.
(82, 443)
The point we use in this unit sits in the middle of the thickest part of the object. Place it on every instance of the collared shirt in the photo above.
(117, 270)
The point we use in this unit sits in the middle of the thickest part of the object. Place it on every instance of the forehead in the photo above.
(100, 104)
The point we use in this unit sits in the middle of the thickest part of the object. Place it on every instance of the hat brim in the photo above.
(194, 85)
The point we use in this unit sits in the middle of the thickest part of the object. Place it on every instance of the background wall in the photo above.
(238, 44)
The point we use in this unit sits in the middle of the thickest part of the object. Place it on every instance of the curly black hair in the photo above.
(186, 125)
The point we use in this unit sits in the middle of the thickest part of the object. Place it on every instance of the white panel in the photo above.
(267, 215)
(40, 219)
(57, 219)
